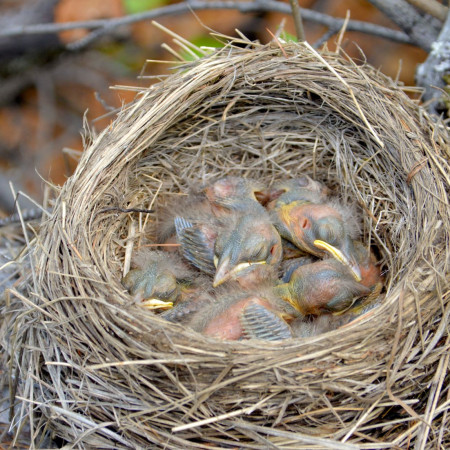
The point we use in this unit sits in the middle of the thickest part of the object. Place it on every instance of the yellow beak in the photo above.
(155, 303)
(223, 272)
(336, 253)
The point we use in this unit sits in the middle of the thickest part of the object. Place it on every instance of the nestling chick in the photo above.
(291, 251)
(222, 198)
(313, 326)
(249, 249)
(200, 297)
(258, 322)
(322, 287)
(242, 247)
(368, 266)
(295, 189)
(159, 279)
(301, 217)
(228, 318)
(370, 276)
(226, 195)
(288, 267)
(191, 207)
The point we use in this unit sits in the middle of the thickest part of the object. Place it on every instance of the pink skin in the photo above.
(227, 325)
(299, 221)
(370, 272)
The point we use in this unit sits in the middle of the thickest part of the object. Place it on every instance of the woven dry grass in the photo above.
(101, 372)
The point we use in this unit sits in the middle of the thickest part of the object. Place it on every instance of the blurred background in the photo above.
(51, 83)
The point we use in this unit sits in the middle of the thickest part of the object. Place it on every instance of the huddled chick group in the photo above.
(258, 263)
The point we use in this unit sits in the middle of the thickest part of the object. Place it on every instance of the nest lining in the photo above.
(102, 372)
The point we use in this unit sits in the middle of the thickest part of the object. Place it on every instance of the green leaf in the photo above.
(202, 40)
(288, 37)
(137, 6)
(206, 40)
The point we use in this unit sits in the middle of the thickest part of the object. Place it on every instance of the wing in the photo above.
(197, 244)
(260, 323)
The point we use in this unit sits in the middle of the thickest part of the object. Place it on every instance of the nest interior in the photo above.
(99, 371)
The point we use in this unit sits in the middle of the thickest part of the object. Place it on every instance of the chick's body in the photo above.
(159, 280)
(248, 249)
(370, 278)
(226, 195)
(370, 270)
(301, 188)
(321, 287)
(303, 215)
(194, 300)
(243, 246)
(226, 319)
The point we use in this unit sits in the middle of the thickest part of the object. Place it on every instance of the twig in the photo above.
(390, 363)
(27, 215)
(24, 230)
(129, 248)
(430, 74)
(280, 28)
(277, 41)
(297, 15)
(342, 32)
(247, 410)
(431, 7)
(423, 30)
(298, 437)
(435, 391)
(104, 26)
(324, 38)
(85, 41)
(127, 210)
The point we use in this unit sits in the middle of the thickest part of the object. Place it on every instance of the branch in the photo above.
(430, 74)
(104, 26)
(431, 7)
(297, 15)
(324, 38)
(422, 30)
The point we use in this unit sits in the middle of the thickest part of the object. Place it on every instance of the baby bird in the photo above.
(313, 326)
(221, 199)
(291, 251)
(288, 266)
(196, 299)
(301, 188)
(226, 195)
(243, 247)
(305, 327)
(159, 280)
(258, 322)
(370, 270)
(302, 217)
(248, 249)
(230, 317)
(322, 287)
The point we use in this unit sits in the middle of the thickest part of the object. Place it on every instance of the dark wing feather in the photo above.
(260, 323)
(197, 244)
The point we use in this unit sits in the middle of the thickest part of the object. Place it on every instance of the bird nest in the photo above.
(100, 371)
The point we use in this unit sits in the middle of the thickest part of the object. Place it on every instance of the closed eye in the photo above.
(259, 253)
